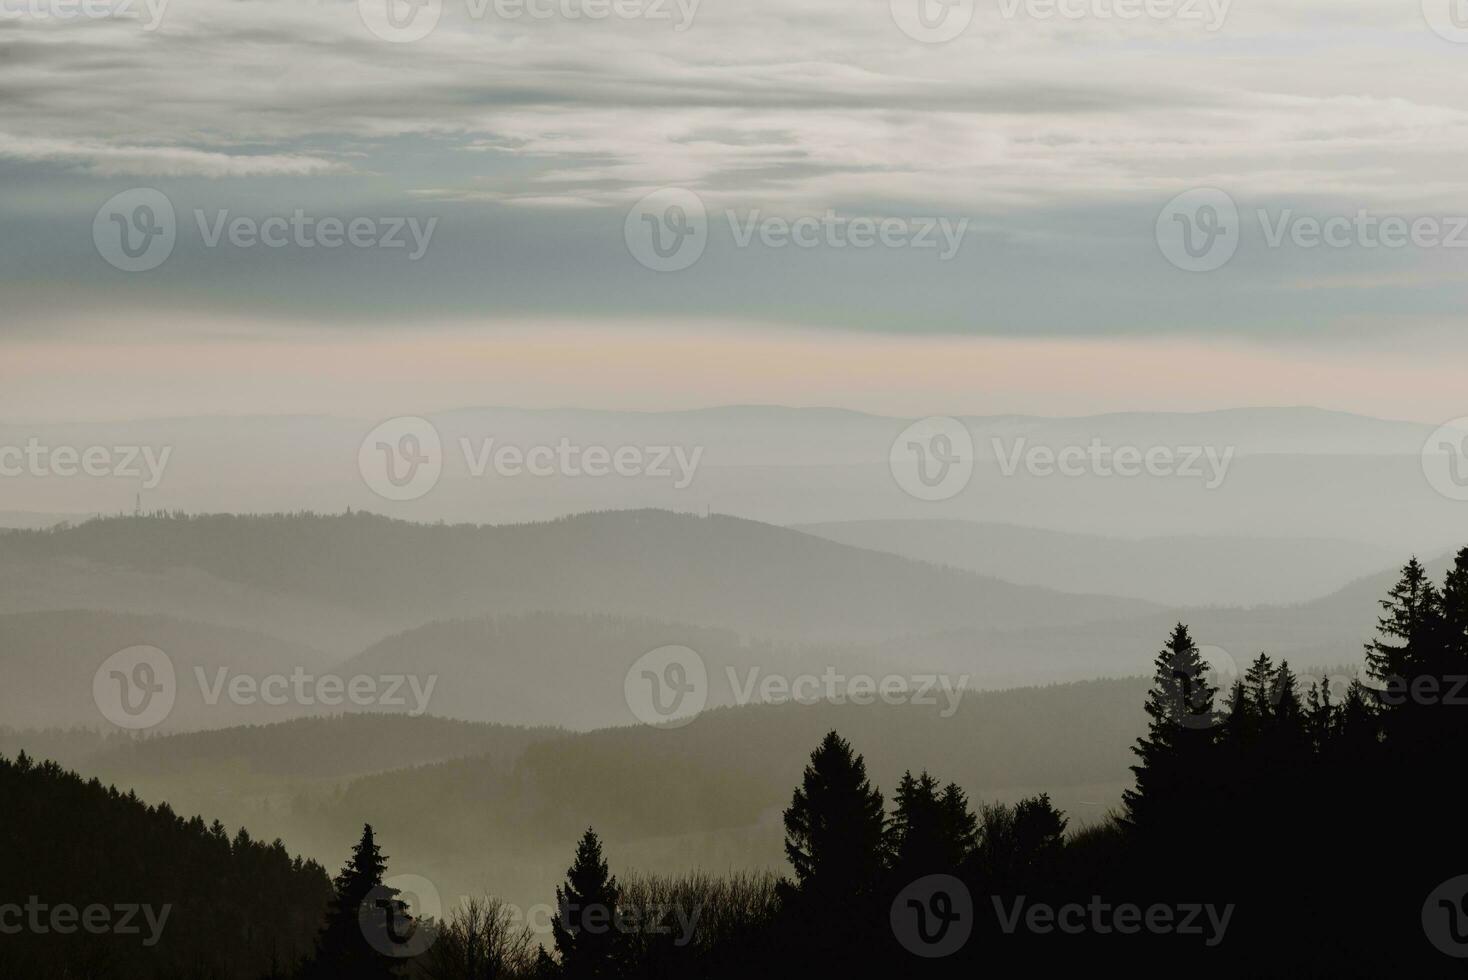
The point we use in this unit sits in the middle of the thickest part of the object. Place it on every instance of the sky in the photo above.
(990, 206)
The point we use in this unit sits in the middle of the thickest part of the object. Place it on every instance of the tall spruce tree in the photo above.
(343, 948)
(1259, 682)
(1176, 763)
(835, 826)
(1409, 627)
(932, 831)
(1455, 614)
(1321, 714)
(584, 929)
(960, 824)
(1039, 836)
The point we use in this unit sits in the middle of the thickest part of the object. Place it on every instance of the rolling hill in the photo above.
(719, 572)
(1177, 571)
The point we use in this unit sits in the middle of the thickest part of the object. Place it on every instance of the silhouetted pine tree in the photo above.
(960, 825)
(1287, 731)
(586, 907)
(342, 949)
(836, 840)
(1321, 715)
(1411, 624)
(932, 831)
(1039, 837)
(1176, 761)
(835, 836)
(1454, 604)
(1259, 683)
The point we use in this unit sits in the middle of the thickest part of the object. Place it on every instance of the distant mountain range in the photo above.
(539, 624)
(718, 572)
(1180, 571)
(1295, 472)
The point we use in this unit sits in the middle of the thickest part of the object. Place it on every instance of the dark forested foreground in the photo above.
(1276, 828)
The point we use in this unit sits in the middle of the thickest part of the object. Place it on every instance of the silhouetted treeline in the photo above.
(1276, 829)
(94, 883)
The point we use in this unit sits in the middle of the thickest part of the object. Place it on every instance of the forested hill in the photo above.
(180, 899)
(720, 572)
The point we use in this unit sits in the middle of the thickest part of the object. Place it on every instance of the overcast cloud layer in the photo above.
(1058, 140)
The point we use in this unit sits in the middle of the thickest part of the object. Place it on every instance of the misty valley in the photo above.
(713, 489)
